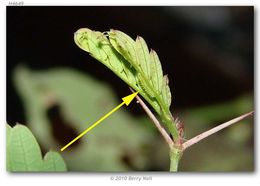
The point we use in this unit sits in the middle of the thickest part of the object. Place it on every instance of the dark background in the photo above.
(208, 52)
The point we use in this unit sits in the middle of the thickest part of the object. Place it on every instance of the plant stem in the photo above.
(175, 156)
(170, 124)
(155, 121)
(175, 151)
(204, 135)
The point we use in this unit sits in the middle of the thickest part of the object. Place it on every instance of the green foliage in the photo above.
(133, 63)
(82, 100)
(24, 154)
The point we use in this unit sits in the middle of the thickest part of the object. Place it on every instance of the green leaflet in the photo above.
(166, 93)
(133, 63)
(124, 45)
(143, 57)
(53, 162)
(99, 47)
(23, 153)
(156, 71)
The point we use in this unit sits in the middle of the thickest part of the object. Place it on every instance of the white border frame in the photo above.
(91, 178)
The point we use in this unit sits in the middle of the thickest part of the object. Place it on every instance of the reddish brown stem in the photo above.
(204, 135)
(155, 121)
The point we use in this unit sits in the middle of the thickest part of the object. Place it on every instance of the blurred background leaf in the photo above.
(61, 103)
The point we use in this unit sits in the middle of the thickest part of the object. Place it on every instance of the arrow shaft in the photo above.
(92, 126)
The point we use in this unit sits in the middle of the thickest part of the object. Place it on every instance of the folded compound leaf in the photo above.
(24, 153)
(134, 64)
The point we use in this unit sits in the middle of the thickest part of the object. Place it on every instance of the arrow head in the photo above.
(127, 100)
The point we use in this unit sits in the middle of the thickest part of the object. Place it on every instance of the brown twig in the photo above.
(155, 121)
(203, 135)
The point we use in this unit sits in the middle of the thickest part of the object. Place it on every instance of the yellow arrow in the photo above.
(126, 100)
